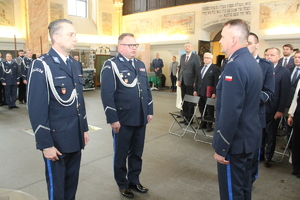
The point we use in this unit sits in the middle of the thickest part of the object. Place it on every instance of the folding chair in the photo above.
(179, 116)
(283, 132)
(204, 118)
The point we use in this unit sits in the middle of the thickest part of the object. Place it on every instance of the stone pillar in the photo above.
(117, 27)
(37, 14)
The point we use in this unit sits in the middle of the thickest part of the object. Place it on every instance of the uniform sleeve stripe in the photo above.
(150, 102)
(266, 95)
(84, 117)
(41, 126)
(223, 137)
(107, 107)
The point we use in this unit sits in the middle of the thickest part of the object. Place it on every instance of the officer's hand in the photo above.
(221, 159)
(3, 83)
(290, 121)
(51, 153)
(116, 126)
(149, 118)
(18, 83)
(24, 81)
(195, 94)
(86, 138)
(178, 83)
(278, 115)
(213, 96)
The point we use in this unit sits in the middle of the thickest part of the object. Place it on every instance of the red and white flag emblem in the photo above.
(228, 78)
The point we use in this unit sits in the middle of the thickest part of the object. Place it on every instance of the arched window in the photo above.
(77, 8)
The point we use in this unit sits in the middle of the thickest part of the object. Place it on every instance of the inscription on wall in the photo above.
(220, 13)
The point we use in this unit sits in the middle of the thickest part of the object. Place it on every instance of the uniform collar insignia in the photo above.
(121, 59)
(56, 59)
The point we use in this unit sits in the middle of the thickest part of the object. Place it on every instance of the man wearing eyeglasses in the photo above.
(128, 107)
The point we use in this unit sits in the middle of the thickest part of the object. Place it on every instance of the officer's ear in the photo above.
(56, 38)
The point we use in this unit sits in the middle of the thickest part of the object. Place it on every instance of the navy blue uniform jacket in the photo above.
(238, 128)
(158, 63)
(268, 87)
(282, 88)
(54, 124)
(128, 105)
(13, 76)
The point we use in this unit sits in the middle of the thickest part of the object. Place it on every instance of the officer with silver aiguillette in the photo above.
(128, 106)
(57, 111)
(10, 80)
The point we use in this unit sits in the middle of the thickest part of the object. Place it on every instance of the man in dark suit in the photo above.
(295, 76)
(57, 111)
(205, 86)
(128, 106)
(238, 129)
(157, 65)
(267, 92)
(188, 67)
(287, 60)
(275, 108)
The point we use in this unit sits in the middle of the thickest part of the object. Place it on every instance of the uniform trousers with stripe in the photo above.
(235, 179)
(128, 148)
(62, 176)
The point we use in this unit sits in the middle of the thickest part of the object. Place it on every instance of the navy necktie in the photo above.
(69, 64)
(203, 70)
(295, 75)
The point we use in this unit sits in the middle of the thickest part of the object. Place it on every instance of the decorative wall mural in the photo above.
(139, 27)
(7, 15)
(107, 24)
(56, 11)
(182, 23)
(279, 14)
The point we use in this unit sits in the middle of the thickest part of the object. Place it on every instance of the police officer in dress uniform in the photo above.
(24, 70)
(10, 80)
(57, 111)
(128, 106)
(267, 93)
(22, 86)
(238, 129)
(2, 92)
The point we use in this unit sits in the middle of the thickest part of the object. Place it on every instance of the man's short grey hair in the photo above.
(210, 55)
(55, 26)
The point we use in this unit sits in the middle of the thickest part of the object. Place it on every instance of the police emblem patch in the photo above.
(63, 90)
(56, 59)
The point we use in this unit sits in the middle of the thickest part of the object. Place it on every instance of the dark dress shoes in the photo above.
(15, 107)
(268, 163)
(127, 193)
(139, 188)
